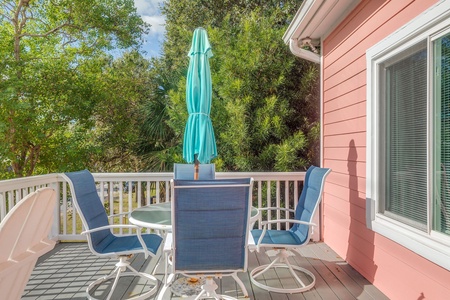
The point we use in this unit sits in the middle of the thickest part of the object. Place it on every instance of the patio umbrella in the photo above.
(199, 145)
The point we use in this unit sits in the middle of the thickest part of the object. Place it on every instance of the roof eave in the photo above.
(313, 21)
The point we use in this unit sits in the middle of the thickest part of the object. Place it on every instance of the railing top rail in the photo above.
(169, 175)
(19, 183)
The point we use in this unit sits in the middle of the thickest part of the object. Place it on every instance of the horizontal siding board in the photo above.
(341, 167)
(338, 236)
(406, 281)
(349, 153)
(345, 140)
(347, 85)
(341, 221)
(344, 32)
(376, 28)
(342, 205)
(343, 193)
(373, 23)
(420, 264)
(358, 215)
(349, 68)
(355, 111)
(345, 126)
(362, 261)
(357, 183)
(348, 99)
(337, 203)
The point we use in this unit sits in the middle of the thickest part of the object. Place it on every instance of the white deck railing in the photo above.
(276, 189)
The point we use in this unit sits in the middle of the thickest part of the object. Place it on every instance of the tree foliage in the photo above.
(53, 53)
(265, 101)
(66, 104)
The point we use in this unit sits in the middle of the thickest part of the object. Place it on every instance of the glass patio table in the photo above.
(158, 216)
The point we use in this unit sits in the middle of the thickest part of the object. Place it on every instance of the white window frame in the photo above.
(432, 245)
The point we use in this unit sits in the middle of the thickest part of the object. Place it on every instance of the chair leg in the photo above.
(209, 291)
(209, 288)
(281, 261)
(120, 271)
(241, 284)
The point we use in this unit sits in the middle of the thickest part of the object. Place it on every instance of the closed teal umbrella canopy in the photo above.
(199, 140)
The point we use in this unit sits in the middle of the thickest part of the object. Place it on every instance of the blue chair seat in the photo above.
(127, 244)
(279, 237)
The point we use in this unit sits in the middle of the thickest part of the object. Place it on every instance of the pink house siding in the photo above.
(397, 271)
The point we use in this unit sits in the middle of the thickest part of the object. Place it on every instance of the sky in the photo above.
(150, 12)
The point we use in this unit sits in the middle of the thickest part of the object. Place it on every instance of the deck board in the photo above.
(66, 271)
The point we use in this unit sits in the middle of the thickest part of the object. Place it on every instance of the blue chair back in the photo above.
(186, 171)
(90, 207)
(309, 199)
(210, 224)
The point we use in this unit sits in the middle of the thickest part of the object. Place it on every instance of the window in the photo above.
(408, 135)
(441, 169)
(403, 81)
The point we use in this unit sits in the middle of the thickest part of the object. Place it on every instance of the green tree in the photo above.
(182, 17)
(127, 83)
(265, 100)
(160, 143)
(52, 54)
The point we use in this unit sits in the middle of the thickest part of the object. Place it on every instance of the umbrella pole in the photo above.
(196, 167)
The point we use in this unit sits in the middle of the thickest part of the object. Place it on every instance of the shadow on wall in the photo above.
(360, 249)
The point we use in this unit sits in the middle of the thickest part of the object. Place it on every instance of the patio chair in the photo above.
(23, 239)
(298, 235)
(186, 171)
(101, 240)
(210, 231)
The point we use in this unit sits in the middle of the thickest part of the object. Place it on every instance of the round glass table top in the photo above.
(158, 216)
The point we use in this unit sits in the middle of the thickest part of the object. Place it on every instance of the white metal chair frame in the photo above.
(280, 250)
(122, 254)
(209, 287)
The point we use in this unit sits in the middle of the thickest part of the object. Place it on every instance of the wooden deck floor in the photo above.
(65, 272)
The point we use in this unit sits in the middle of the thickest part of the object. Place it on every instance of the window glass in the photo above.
(404, 82)
(441, 80)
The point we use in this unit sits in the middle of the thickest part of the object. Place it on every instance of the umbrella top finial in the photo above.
(200, 42)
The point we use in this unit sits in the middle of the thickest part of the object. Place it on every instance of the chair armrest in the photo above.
(276, 209)
(112, 226)
(121, 214)
(168, 242)
(251, 243)
(263, 223)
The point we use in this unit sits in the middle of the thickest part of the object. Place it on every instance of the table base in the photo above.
(183, 287)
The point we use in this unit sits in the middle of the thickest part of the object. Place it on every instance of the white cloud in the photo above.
(157, 23)
(147, 7)
(149, 10)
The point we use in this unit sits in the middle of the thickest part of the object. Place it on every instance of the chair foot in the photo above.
(304, 287)
(119, 272)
